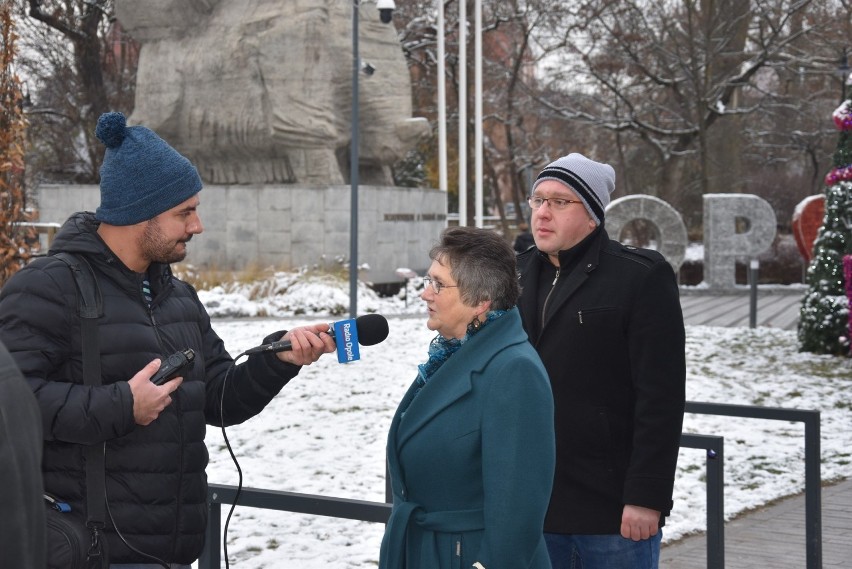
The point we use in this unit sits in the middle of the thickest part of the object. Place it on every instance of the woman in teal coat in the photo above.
(471, 447)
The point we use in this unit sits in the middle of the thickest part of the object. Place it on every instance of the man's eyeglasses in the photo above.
(555, 203)
(436, 285)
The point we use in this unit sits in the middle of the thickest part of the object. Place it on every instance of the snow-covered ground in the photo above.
(325, 432)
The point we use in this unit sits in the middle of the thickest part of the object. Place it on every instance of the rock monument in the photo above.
(258, 94)
(259, 91)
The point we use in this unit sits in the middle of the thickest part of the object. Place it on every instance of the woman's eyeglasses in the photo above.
(436, 285)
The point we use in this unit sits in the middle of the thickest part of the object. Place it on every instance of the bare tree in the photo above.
(514, 141)
(680, 80)
(79, 65)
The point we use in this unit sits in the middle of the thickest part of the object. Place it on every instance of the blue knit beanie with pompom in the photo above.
(141, 175)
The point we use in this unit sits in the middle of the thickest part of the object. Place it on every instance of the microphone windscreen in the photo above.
(372, 329)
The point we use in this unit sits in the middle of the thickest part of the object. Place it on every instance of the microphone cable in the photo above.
(236, 496)
(130, 547)
(376, 327)
(233, 458)
(122, 538)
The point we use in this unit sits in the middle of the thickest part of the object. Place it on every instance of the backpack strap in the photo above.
(90, 308)
(89, 300)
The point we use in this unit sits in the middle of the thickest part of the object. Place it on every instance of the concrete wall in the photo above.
(288, 226)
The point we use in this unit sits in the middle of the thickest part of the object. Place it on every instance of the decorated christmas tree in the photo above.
(824, 317)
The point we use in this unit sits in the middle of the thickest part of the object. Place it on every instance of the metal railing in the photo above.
(219, 494)
(379, 512)
(813, 478)
(715, 468)
(45, 230)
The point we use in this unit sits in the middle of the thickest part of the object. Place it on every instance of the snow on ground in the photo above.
(325, 432)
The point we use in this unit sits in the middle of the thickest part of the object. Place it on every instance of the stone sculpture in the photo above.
(724, 244)
(668, 222)
(259, 91)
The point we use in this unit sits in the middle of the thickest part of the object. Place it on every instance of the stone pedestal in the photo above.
(288, 226)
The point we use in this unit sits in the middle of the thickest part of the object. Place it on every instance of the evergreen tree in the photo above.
(824, 317)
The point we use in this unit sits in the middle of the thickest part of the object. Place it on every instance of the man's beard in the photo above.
(159, 250)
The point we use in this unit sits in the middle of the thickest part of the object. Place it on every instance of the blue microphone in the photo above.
(365, 330)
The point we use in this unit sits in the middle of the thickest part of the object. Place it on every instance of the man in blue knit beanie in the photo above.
(152, 434)
(141, 178)
(141, 175)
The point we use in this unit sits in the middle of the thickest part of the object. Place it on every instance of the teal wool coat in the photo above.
(471, 459)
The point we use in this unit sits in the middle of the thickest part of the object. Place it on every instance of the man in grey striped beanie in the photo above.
(592, 181)
(606, 320)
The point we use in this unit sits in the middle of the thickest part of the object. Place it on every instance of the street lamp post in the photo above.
(386, 8)
(442, 102)
(353, 169)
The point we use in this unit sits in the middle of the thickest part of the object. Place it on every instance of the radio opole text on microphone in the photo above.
(346, 337)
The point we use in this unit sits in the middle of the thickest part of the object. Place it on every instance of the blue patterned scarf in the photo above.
(440, 348)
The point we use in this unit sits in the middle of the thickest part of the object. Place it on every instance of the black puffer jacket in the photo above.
(156, 482)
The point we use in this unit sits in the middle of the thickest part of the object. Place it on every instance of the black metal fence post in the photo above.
(210, 557)
(813, 492)
(715, 463)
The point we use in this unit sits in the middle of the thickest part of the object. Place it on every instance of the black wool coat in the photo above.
(156, 484)
(611, 337)
(22, 523)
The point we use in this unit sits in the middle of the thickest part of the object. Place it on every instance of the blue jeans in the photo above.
(569, 551)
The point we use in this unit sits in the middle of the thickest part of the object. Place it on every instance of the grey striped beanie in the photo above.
(592, 181)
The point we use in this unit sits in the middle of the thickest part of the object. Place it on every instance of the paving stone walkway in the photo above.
(773, 537)
(775, 307)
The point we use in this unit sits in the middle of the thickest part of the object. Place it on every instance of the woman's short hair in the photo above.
(482, 263)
